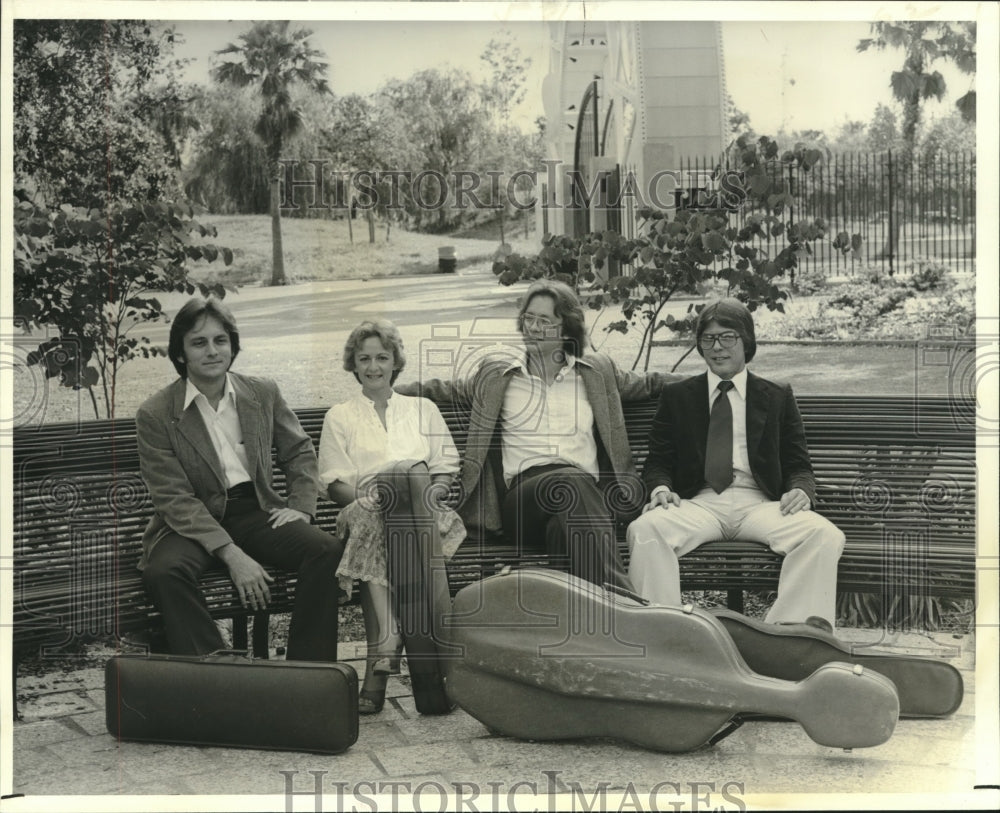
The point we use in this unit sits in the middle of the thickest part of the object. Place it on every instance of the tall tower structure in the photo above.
(627, 102)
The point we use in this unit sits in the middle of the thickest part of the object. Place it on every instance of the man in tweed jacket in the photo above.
(205, 444)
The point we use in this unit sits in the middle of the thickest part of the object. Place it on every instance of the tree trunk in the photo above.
(370, 215)
(277, 255)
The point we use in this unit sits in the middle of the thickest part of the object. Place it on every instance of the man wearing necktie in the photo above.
(205, 452)
(728, 460)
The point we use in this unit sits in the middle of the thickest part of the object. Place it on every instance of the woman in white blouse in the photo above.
(360, 438)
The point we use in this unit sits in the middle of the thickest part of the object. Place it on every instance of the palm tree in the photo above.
(273, 59)
(922, 44)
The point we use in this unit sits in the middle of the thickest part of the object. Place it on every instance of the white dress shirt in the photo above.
(543, 425)
(354, 445)
(223, 424)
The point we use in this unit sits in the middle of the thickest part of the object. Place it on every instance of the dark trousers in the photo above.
(559, 509)
(177, 563)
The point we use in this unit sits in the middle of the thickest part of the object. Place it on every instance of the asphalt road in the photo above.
(296, 335)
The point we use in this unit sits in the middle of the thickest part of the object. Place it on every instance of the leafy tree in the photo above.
(445, 123)
(95, 275)
(680, 253)
(883, 133)
(739, 122)
(950, 134)
(228, 169)
(851, 136)
(504, 89)
(273, 59)
(100, 113)
(923, 43)
(367, 134)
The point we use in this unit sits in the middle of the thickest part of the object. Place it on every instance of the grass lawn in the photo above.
(314, 377)
(296, 334)
(833, 369)
(323, 249)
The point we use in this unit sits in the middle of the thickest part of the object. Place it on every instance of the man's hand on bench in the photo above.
(249, 577)
(662, 497)
(794, 501)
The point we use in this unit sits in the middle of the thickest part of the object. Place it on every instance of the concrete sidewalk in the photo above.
(61, 747)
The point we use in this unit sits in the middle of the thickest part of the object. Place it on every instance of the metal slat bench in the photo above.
(896, 474)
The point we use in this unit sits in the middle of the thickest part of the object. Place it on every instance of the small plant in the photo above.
(687, 250)
(866, 300)
(95, 275)
(928, 275)
(810, 282)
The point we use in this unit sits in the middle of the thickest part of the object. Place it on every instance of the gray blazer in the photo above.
(481, 480)
(184, 475)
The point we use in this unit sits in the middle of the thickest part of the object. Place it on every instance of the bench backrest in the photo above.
(897, 474)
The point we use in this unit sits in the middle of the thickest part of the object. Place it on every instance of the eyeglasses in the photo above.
(541, 321)
(725, 340)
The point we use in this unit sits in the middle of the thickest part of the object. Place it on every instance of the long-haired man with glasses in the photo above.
(728, 460)
(547, 461)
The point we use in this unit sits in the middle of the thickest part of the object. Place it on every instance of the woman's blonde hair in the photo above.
(387, 333)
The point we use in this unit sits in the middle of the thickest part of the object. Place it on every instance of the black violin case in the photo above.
(926, 687)
(548, 656)
(226, 699)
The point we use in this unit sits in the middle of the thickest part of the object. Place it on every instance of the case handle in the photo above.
(621, 591)
(242, 653)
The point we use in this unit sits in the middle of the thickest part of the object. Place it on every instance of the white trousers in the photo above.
(810, 543)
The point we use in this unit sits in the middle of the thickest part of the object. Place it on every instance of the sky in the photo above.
(795, 75)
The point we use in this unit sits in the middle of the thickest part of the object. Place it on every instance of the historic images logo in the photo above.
(548, 792)
(314, 186)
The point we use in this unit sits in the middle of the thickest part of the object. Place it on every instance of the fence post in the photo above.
(892, 205)
(791, 220)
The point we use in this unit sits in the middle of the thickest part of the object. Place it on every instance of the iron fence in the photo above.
(903, 211)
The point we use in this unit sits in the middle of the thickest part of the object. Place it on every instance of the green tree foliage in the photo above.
(101, 124)
(505, 87)
(851, 136)
(367, 135)
(883, 132)
(273, 59)
(678, 252)
(95, 274)
(507, 150)
(100, 113)
(228, 171)
(946, 135)
(446, 121)
(739, 122)
(923, 43)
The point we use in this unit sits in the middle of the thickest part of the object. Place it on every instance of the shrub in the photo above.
(866, 300)
(928, 275)
(808, 283)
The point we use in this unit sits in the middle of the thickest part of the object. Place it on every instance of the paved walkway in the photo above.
(61, 747)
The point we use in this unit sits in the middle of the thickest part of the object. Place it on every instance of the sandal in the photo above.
(370, 701)
(389, 664)
(386, 666)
